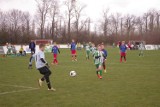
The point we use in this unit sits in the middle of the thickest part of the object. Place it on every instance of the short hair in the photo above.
(41, 45)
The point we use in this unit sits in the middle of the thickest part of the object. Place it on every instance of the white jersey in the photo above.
(38, 56)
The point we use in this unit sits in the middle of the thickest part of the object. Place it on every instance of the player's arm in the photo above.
(43, 60)
(59, 51)
(52, 50)
(71, 46)
(105, 56)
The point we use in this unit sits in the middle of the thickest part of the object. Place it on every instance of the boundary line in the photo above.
(24, 90)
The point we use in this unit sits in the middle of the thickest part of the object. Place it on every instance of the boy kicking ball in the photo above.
(43, 67)
(98, 60)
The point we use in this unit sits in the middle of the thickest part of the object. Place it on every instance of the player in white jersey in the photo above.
(43, 67)
(141, 48)
(87, 52)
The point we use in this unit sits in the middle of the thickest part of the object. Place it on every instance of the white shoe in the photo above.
(40, 82)
(52, 89)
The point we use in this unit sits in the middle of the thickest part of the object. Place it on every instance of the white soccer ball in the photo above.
(73, 73)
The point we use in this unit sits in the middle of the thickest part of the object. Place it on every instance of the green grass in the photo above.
(132, 84)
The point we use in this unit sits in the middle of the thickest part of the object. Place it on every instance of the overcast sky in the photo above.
(94, 7)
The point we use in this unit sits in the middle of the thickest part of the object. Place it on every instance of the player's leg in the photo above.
(56, 61)
(121, 57)
(75, 55)
(97, 70)
(30, 62)
(72, 55)
(54, 58)
(104, 66)
(88, 52)
(100, 70)
(125, 57)
(46, 72)
(41, 80)
(86, 55)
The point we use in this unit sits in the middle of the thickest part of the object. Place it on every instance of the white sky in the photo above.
(94, 7)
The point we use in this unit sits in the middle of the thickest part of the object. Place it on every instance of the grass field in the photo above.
(132, 84)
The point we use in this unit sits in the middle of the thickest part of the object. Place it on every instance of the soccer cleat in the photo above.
(52, 89)
(30, 66)
(40, 82)
(100, 77)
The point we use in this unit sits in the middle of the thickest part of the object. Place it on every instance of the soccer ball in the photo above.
(73, 73)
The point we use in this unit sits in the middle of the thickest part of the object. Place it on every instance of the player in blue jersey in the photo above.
(123, 50)
(105, 54)
(73, 51)
(55, 51)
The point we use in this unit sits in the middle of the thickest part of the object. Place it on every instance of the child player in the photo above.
(87, 51)
(55, 51)
(93, 49)
(43, 67)
(73, 51)
(98, 60)
(123, 50)
(141, 48)
(105, 54)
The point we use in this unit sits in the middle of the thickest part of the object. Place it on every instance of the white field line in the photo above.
(3, 93)
(18, 86)
(24, 90)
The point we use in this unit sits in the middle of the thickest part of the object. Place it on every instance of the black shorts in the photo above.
(44, 70)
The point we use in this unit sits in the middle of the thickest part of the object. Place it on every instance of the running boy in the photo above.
(43, 67)
(123, 50)
(73, 51)
(55, 51)
(98, 60)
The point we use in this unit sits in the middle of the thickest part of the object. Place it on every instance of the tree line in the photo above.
(65, 21)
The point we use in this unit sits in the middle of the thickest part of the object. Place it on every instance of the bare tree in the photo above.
(140, 23)
(121, 26)
(70, 4)
(105, 22)
(158, 20)
(15, 17)
(78, 13)
(145, 16)
(43, 7)
(151, 20)
(54, 10)
(115, 22)
(129, 24)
